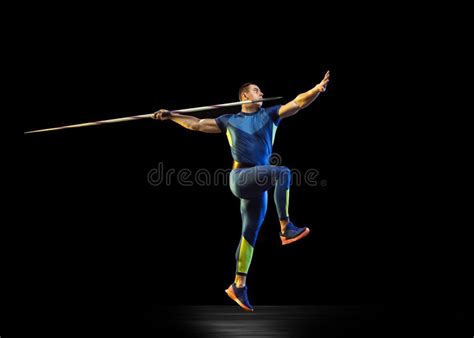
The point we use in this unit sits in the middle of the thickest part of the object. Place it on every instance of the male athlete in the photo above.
(251, 133)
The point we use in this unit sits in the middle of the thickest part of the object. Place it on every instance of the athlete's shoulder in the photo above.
(223, 121)
(273, 113)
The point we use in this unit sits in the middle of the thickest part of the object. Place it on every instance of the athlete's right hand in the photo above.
(162, 114)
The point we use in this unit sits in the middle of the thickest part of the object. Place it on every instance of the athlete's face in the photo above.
(253, 93)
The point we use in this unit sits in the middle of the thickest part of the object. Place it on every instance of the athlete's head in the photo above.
(250, 91)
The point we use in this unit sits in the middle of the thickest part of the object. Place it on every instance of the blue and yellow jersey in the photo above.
(251, 135)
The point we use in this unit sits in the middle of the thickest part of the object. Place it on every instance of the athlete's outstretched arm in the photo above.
(303, 100)
(189, 122)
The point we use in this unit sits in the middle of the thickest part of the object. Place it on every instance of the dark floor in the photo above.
(267, 321)
(306, 321)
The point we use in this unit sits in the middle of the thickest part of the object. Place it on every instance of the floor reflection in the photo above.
(267, 321)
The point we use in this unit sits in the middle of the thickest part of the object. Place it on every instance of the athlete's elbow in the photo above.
(195, 126)
(299, 103)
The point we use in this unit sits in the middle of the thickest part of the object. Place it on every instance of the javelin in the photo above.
(144, 116)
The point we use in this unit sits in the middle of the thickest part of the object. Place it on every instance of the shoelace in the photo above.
(291, 230)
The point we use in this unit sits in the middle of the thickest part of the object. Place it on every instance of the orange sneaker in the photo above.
(293, 233)
(239, 295)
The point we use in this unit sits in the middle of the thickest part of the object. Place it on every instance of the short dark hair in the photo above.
(243, 88)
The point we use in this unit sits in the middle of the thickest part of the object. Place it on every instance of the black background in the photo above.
(108, 241)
